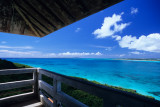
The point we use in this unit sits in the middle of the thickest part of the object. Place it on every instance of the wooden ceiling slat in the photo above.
(44, 13)
(36, 25)
(28, 9)
(62, 15)
(40, 14)
(35, 20)
(57, 18)
(65, 8)
(27, 21)
(72, 7)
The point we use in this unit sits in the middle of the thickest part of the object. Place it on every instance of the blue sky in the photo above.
(130, 29)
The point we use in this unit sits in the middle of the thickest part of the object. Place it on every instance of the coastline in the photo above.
(157, 60)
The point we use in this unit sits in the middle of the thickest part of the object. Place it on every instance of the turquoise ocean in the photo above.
(142, 76)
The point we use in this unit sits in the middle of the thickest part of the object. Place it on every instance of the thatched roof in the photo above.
(41, 17)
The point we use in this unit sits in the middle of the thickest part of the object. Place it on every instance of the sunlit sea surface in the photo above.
(142, 76)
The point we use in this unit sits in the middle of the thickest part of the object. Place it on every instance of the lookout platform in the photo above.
(48, 95)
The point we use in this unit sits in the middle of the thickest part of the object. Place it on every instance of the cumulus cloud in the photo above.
(150, 43)
(19, 47)
(136, 52)
(78, 29)
(134, 10)
(110, 26)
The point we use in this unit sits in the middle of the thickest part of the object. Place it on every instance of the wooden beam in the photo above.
(16, 84)
(37, 19)
(26, 20)
(17, 71)
(43, 13)
(45, 86)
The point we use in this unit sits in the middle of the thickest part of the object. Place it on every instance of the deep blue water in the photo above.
(142, 76)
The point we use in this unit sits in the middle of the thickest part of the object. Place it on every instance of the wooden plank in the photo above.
(44, 13)
(7, 101)
(60, 13)
(35, 86)
(56, 89)
(16, 84)
(26, 20)
(44, 72)
(45, 86)
(17, 71)
(61, 97)
(37, 19)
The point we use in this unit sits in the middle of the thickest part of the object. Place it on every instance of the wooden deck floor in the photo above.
(30, 103)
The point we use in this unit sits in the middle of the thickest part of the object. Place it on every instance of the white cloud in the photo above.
(117, 37)
(105, 47)
(110, 26)
(134, 10)
(3, 42)
(78, 54)
(150, 43)
(78, 29)
(136, 52)
(18, 47)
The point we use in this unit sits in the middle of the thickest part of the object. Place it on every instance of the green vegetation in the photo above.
(86, 98)
(4, 64)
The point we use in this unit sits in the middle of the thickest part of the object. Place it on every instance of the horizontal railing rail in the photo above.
(17, 71)
(18, 84)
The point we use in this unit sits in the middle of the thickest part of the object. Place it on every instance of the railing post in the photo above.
(39, 78)
(56, 89)
(35, 86)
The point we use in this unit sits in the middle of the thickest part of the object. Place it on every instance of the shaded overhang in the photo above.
(42, 17)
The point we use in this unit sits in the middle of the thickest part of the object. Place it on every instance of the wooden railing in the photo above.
(18, 84)
(111, 97)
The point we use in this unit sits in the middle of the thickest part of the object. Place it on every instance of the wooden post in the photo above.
(35, 86)
(56, 89)
(39, 78)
